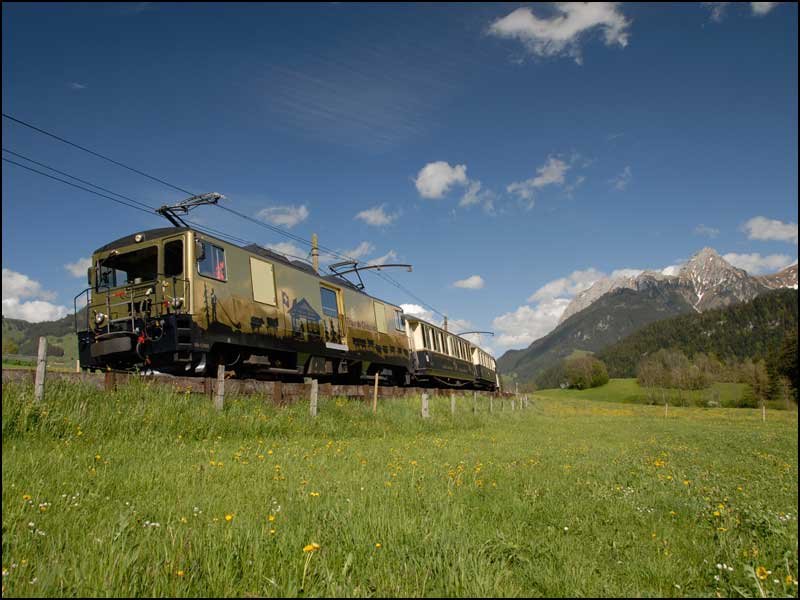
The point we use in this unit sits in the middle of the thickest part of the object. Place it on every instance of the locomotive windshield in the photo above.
(130, 267)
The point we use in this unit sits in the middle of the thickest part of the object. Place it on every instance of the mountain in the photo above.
(612, 309)
(607, 320)
(707, 281)
(754, 329)
(782, 279)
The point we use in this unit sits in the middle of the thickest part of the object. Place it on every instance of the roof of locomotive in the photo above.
(252, 248)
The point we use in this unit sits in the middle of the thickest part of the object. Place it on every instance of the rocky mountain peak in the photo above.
(706, 281)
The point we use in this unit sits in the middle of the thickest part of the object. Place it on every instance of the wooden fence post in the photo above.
(110, 381)
(375, 396)
(513, 403)
(491, 403)
(452, 403)
(219, 397)
(41, 369)
(474, 402)
(666, 409)
(425, 412)
(314, 393)
(77, 365)
(277, 393)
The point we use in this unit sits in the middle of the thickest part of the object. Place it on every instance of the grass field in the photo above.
(628, 391)
(153, 493)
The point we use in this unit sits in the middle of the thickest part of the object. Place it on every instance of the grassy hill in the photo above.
(61, 339)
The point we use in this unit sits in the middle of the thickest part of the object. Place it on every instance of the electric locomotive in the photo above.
(179, 300)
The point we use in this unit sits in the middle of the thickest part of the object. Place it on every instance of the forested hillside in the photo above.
(752, 329)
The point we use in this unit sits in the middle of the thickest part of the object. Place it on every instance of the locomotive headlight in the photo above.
(177, 303)
(99, 318)
(138, 237)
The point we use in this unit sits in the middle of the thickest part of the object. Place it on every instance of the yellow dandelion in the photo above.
(312, 547)
(761, 573)
(229, 518)
(184, 520)
(788, 580)
(180, 573)
(314, 494)
(716, 513)
(26, 497)
(271, 518)
(378, 545)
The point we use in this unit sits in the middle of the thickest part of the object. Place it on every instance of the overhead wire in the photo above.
(384, 276)
(92, 152)
(8, 160)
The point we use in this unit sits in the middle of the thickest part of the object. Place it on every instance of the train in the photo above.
(181, 301)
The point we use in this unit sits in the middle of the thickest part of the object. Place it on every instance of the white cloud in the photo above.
(289, 249)
(79, 267)
(17, 285)
(671, 270)
(718, 9)
(382, 260)
(418, 311)
(473, 282)
(561, 34)
(568, 286)
(621, 181)
(435, 179)
(761, 8)
(287, 216)
(77, 86)
(550, 173)
(528, 323)
(472, 195)
(376, 216)
(755, 264)
(359, 251)
(16, 288)
(706, 231)
(762, 228)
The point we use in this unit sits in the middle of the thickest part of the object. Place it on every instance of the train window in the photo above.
(380, 317)
(330, 307)
(435, 336)
(173, 258)
(399, 322)
(129, 268)
(263, 278)
(212, 263)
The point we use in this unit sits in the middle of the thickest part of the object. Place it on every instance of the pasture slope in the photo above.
(153, 493)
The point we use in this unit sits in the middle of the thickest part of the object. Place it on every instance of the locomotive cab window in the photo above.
(173, 258)
(398, 321)
(128, 268)
(211, 261)
(330, 306)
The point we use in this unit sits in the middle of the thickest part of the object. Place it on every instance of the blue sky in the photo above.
(521, 150)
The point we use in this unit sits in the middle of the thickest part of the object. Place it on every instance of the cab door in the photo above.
(333, 328)
(173, 273)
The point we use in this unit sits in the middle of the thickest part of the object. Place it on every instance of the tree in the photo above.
(10, 346)
(584, 372)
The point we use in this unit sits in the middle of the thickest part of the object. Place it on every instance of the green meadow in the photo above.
(629, 391)
(147, 492)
